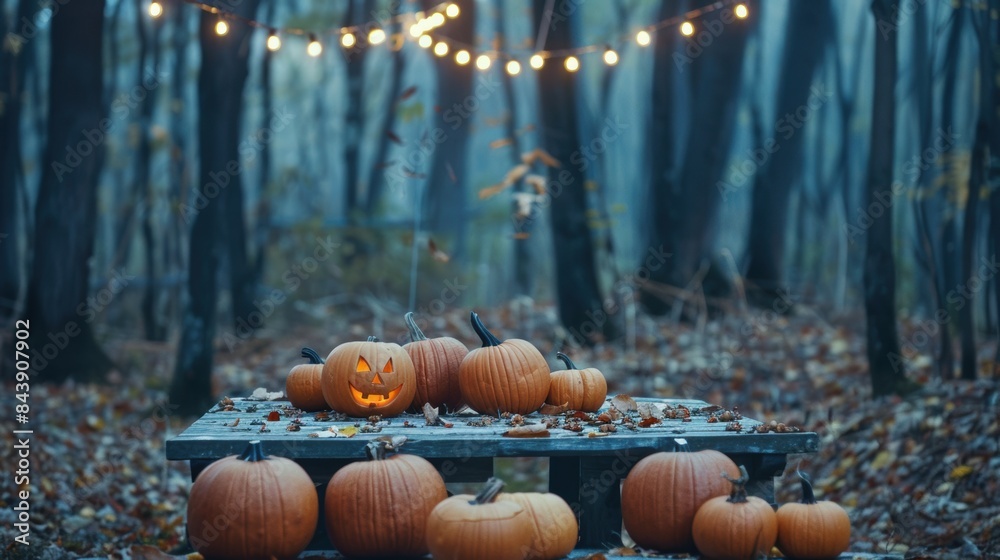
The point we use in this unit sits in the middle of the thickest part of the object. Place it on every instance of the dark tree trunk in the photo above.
(446, 199)
(807, 37)
(378, 176)
(354, 116)
(224, 68)
(887, 372)
(262, 229)
(13, 65)
(66, 210)
(993, 177)
(180, 174)
(581, 307)
(966, 323)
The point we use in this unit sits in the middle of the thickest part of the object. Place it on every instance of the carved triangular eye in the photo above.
(363, 364)
(388, 367)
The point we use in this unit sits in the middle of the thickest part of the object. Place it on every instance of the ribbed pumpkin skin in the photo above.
(512, 377)
(304, 387)
(379, 509)
(342, 368)
(554, 524)
(241, 510)
(584, 389)
(808, 531)
(727, 531)
(663, 491)
(436, 362)
(458, 530)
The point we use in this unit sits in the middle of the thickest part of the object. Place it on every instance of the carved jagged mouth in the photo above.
(374, 399)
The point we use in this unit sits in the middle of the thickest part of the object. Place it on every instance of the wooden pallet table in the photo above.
(586, 471)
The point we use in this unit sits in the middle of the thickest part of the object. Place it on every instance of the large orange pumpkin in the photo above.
(436, 362)
(554, 524)
(739, 527)
(252, 506)
(663, 491)
(583, 389)
(509, 376)
(366, 378)
(304, 384)
(379, 508)
(812, 529)
(465, 527)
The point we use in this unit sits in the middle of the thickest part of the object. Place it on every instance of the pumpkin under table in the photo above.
(585, 467)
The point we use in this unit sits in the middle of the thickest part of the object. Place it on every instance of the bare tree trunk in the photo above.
(993, 176)
(66, 210)
(262, 229)
(224, 69)
(179, 172)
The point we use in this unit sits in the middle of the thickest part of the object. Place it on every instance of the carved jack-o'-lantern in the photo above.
(366, 378)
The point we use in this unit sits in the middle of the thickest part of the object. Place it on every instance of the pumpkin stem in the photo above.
(565, 359)
(489, 492)
(312, 356)
(808, 496)
(484, 335)
(375, 450)
(372, 339)
(254, 452)
(738, 495)
(415, 333)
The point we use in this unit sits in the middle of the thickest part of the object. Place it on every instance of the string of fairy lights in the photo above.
(422, 28)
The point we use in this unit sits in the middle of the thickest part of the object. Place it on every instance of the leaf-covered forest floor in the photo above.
(919, 476)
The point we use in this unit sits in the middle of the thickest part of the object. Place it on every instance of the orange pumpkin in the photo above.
(435, 362)
(509, 376)
(583, 389)
(379, 508)
(365, 378)
(251, 507)
(663, 491)
(554, 524)
(812, 529)
(739, 527)
(464, 527)
(304, 384)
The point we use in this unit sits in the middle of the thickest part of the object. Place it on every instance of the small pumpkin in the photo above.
(379, 508)
(663, 491)
(465, 526)
(813, 529)
(435, 362)
(739, 527)
(583, 389)
(365, 378)
(509, 376)
(553, 522)
(304, 384)
(252, 506)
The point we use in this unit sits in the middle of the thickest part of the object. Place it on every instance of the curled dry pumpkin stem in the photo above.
(416, 334)
(808, 496)
(489, 491)
(486, 336)
(372, 339)
(739, 493)
(254, 452)
(565, 359)
(375, 450)
(312, 356)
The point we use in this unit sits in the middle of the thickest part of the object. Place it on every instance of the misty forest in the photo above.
(786, 212)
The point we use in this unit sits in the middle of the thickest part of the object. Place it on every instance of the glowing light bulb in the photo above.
(416, 30)
(452, 11)
(483, 62)
(436, 20)
(273, 42)
(536, 61)
(348, 40)
(462, 57)
(687, 29)
(642, 38)
(376, 36)
(741, 11)
(155, 9)
(314, 48)
(610, 57)
(425, 41)
(441, 49)
(221, 28)
(572, 63)
(513, 68)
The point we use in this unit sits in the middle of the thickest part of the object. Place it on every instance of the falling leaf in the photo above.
(413, 174)
(522, 235)
(407, 93)
(623, 403)
(525, 129)
(438, 254)
(534, 430)
(394, 137)
(539, 154)
(537, 182)
(500, 143)
(551, 409)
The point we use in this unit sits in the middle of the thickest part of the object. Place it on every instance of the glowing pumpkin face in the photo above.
(365, 378)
